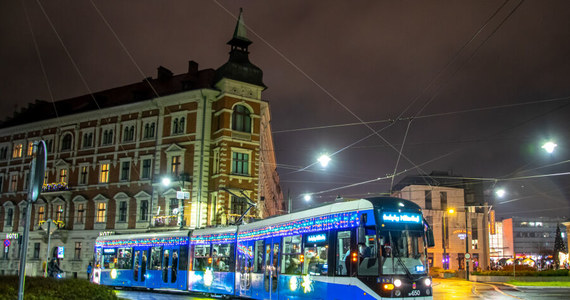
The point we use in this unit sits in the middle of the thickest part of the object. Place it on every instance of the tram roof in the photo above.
(214, 230)
(159, 234)
(388, 203)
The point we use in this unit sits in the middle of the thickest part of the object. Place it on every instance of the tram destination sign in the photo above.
(403, 218)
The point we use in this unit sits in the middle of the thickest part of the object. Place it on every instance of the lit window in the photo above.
(175, 166)
(104, 175)
(41, 213)
(59, 213)
(63, 175)
(30, 148)
(17, 152)
(101, 212)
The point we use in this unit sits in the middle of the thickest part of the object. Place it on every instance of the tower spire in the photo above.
(239, 38)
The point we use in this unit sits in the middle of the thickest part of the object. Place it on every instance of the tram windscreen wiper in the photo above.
(397, 252)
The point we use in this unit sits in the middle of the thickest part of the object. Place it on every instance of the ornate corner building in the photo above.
(208, 131)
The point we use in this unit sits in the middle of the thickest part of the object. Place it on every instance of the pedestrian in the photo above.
(89, 270)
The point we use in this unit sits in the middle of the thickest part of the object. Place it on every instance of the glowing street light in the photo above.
(324, 160)
(500, 193)
(166, 181)
(451, 211)
(549, 147)
(307, 197)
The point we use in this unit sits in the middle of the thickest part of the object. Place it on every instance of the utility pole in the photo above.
(467, 255)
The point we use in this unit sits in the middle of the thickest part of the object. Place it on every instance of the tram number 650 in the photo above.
(414, 293)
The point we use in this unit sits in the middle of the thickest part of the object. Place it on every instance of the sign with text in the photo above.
(12, 236)
(182, 195)
(405, 218)
(316, 238)
(60, 252)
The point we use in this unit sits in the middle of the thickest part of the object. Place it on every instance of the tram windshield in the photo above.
(403, 252)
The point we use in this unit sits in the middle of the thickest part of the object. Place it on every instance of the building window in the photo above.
(238, 205)
(36, 250)
(77, 250)
(125, 170)
(63, 175)
(173, 207)
(107, 137)
(59, 213)
(149, 129)
(104, 173)
(240, 163)
(9, 216)
(13, 182)
(144, 210)
(30, 148)
(178, 125)
(443, 197)
(1, 184)
(4, 153)
(123, 211)
(66, 142)
(83, 174)
(129, 134)
(101, 212)
(80, 216)
(87, 140)
(49, 145)
(146, 169)
(241, 119)
(17, 152)
(41, 214)
(428, 200)
(216, 161)
(175, 165)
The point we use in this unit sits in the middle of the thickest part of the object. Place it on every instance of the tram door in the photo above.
(271, 273)
(137, 267)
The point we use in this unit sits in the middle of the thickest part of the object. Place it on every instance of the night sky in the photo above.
(470, 87)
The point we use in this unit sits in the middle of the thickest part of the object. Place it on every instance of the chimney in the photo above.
(163, 73)
(192, 67)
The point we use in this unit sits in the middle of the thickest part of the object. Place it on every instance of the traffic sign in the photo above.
(7, 243)
(467, 256)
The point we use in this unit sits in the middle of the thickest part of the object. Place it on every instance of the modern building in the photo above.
(531, 237)
(209, 131)
(496, 245)
(453, 231)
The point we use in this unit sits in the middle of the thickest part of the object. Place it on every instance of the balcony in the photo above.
(55, 187)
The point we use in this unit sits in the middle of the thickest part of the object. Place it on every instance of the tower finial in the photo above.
(240, 32)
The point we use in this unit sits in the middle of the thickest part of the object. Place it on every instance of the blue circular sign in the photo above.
(7, 243)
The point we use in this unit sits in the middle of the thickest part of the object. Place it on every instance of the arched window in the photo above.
(241, 119)
(66, 142)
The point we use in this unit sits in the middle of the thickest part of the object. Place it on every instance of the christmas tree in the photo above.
(558, 245)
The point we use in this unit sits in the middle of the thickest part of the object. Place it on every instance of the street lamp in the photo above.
(324, 160)
(500, 193)
(549, 146)
(307, 197)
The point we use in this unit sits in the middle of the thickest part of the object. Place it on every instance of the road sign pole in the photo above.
(37, 169)
(48, 245)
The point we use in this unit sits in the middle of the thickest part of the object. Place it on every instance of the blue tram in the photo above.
(364, 249)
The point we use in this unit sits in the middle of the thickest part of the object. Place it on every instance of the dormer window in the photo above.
(241, 119)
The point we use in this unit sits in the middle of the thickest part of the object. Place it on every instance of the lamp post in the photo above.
(443, 236)
(467, 255)
(180, 196)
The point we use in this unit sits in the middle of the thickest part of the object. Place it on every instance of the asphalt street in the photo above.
(443, 289)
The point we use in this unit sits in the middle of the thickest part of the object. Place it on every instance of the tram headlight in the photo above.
(427, 282)
(114, 273)
(397, 283)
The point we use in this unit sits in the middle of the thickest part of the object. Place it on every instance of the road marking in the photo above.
(498, 290)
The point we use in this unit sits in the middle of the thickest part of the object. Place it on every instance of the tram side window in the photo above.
(343, 253)
(368, 254)
(125, 258)
(201, 256)
(316, 254)
(183, 258)
(292, 258)
(258, 257)
(155, 255)
(222, 257)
